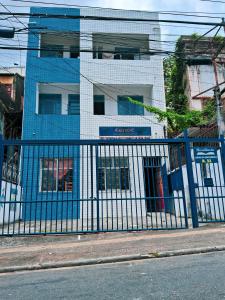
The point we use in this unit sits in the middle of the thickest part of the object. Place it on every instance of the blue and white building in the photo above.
(78, 78)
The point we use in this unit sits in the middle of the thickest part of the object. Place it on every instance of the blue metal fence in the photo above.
(53, 187)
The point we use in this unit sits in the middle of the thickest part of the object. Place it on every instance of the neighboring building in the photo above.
(77, 87)
(199, 73)
(11, 105)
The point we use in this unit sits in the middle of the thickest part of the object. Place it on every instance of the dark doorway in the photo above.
(153, 184)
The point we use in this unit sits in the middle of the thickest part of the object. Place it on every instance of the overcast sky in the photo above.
(9, 58)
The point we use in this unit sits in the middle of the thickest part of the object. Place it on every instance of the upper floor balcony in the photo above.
(100, 45)
(121, 46)
(60, 45)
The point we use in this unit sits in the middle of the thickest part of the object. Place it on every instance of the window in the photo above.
(74, 105)
(50, 104)
(56, 175)
(127, 53)
(113, 174)
(125, 107)
(99, 105)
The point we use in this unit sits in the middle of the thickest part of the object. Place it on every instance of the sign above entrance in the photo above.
(205, 155)
(125, 132)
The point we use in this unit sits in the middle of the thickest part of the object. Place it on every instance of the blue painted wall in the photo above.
(47, 127)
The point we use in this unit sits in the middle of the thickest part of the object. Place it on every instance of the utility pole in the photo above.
(219, 106)
(217, 97)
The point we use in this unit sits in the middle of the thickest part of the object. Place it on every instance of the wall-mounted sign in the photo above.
(125, 132)
(205, 155)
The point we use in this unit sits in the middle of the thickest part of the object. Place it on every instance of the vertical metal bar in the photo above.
(123, 159)
(164, 162)
(1, 171)
(106, 189)
(92, 188)
(37, 186)
(135, 188)
(191, 183)
(66, 189)
(116, 170)
(51, 202)
(222, 143)
(10, 186)
(32, 188)
(183, 192)
(121, 194)
(139, 183)
(48, 191)
(97, 187)
(57, 194)
(88, 198)
(130, 194)
(27, 200)
(21, 168)
(111, 166)
(82, 185)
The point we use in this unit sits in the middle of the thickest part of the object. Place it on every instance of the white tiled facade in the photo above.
(123, 76)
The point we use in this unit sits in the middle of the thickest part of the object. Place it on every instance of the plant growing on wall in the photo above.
(174, 68)
(178, 122)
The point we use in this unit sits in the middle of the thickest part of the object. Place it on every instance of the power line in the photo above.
(16, 34)
(219, 1)
(97, 7)
(106, 18)
(93, 83)
(104, 116)
(153, 52)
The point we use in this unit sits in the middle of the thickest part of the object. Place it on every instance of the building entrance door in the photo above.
(153, 184)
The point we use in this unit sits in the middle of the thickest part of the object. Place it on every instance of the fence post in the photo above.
(92, 188)
(222, 153)
(97, 188)
(1, 160)
(191, 183)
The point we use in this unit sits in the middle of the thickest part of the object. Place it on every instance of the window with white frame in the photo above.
(56, 174)
(113, 173)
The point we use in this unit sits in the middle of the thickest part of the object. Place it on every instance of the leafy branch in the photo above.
(178, 122)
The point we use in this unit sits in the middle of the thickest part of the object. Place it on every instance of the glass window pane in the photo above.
(121, 162)
(48, 180)
(124, 178)
(112, 178)
(101, 179)
(74, 104)
(125, 107)
(50, 103)
(49, 163)
(65, 175)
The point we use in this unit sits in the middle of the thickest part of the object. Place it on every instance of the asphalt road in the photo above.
(187, 277)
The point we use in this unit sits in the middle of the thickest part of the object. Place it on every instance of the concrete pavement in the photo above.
(20, 253)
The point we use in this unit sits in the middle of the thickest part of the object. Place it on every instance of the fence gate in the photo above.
(209, 185)
(53, 187)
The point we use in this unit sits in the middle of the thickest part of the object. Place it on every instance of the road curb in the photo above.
(113, 259)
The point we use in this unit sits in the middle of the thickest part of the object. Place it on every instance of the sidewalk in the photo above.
(41, 251)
